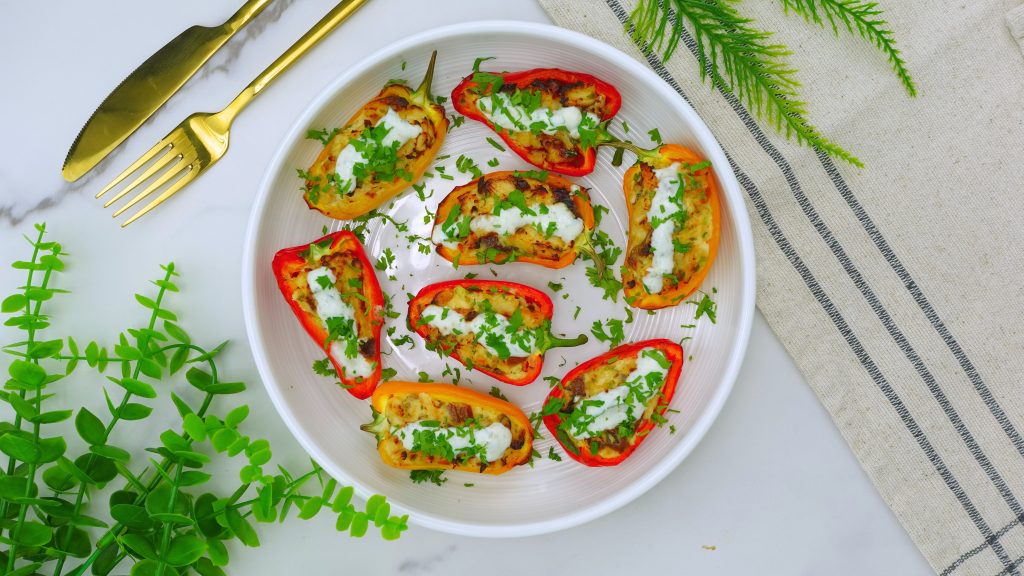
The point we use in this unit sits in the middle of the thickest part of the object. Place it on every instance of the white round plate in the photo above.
(551, 495)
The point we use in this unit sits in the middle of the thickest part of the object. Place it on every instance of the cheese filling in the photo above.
(491, 441)
(340, 320)
(398, 131)
(626, 402)
(500, 110)
(555, 220)
(666, 208)
(492, 331)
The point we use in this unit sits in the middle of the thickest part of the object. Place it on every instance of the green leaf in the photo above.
(99, 469)
(206, 568)
(218, 553)
(45, 349)
(50, 449)
(178, 359)
(20, 448)
(226, 388)
(13, 486)
(205, 519)
(175, 331)
(223, 438)
(194, 478)
(360, 523)
(58, 478)
(22, 407)
(194, 427)
(150, 567)
(88, 521)
(135, 386)
(52, 417)
(185, 549)
(150, 367)
(241, 528)
(112, 452)
(343, 499)
(236, 416)
(172, 518)
(90, 427)
(146, 302)
(13, 303)
(33, 534)
(27, 373)
(260, 457)
(181, 405)
(105, 562)
(198, 378)
(132, 516)
(310, 508)
(74, 541)
(133, 411)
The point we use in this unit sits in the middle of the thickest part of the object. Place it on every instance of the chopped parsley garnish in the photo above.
(495, 143)
(433, 476)
(705, 307)
(614, 333)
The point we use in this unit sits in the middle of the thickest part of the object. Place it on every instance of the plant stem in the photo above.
(165, 539)
(116, 415)
(23, 509)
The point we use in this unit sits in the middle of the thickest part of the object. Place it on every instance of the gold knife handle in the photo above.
(336, 16)
(247, 12)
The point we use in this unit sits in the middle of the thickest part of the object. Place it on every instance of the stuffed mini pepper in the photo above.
(382, 150)
(512, 216)
(604, 408)
(554, 119)
(674, 225)
(499, 328)
(439, 426)
(333, 291)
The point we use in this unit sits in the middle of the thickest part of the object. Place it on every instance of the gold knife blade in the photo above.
(148, 87)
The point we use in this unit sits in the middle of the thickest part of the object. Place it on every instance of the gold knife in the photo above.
(147, 88)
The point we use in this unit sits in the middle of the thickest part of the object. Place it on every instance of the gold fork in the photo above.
(202, 139)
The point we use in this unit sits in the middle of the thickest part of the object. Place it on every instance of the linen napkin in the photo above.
(896, 288)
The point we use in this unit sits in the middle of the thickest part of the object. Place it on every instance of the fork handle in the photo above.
(336, 16)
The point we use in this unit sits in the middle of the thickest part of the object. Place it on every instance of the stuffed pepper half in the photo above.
(514, 217)
(604, 408)
(440, 426)
(499, 328)
(333, 291)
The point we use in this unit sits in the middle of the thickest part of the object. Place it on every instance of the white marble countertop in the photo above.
(772, 489)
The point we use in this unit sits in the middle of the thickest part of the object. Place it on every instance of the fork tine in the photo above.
(138, 163)
(163, 179)
(163, 161)
(188, 177)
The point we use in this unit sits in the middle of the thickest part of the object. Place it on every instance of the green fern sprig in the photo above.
(860, 17)
(738, 58)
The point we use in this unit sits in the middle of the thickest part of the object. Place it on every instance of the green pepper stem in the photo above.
(423, 92)
(587, 248)
(378, 427)
(643, 155)
(552, 341)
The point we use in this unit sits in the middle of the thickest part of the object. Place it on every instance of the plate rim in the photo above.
(734, 203)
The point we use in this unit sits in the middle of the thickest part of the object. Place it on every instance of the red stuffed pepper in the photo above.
(499, 328)
(604, 408)
(331, 287)
(553, 118)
